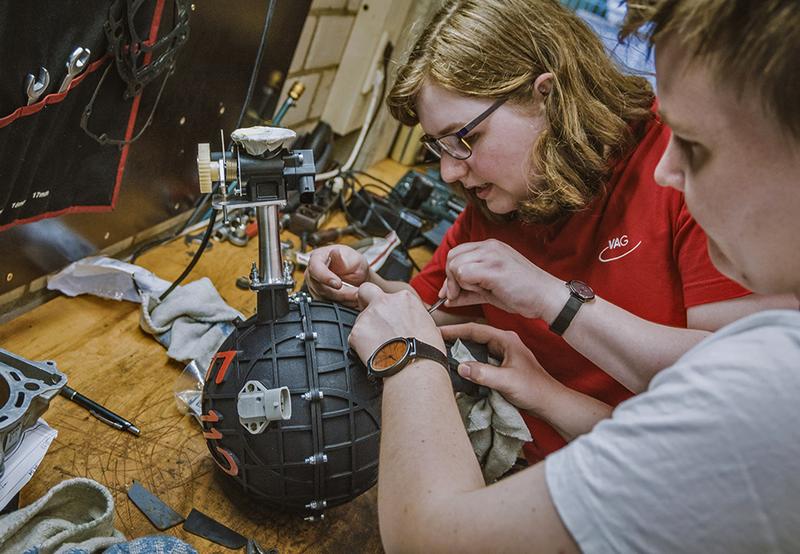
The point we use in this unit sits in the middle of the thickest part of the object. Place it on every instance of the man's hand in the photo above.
(331, 266)
(492, 272)
(386, 316)
(519, 378)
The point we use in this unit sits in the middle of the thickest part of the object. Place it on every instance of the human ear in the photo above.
(543, 84)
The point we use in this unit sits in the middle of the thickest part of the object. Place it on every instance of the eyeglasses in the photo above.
(454, 144)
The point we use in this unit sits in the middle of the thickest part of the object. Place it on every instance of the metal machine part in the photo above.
(290, 363)
(260, 182)
(26, 389)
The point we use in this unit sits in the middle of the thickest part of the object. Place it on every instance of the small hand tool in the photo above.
(436, 305)
(34, 88)
(75, 64)
(103, 414)
(202, 525)
(325, 236)
(159, 514)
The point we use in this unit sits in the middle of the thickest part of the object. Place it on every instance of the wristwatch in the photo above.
(579, 294)
(395, 354)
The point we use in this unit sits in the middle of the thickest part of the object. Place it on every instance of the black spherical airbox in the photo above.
(326, 452)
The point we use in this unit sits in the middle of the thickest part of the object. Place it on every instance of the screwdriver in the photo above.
(329, 235)
(436, 305)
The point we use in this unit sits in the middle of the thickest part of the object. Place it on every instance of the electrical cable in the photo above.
(195, 258)
(350, 182)
(371, 110)
(247, 99)
(381, 78)
(365, 174)
(386, 54)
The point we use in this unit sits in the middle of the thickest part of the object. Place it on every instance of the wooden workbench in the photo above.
(107, 357)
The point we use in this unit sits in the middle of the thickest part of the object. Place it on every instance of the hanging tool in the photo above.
(34, 88)
(75, 64)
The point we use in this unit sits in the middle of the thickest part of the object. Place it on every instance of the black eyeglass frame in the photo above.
(429, 141)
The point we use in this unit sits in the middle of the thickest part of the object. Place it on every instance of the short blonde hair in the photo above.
(755, 46)
(497, 48)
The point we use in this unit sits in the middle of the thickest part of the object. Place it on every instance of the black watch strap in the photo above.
(425, 350)
(566, 315)
(579, 294)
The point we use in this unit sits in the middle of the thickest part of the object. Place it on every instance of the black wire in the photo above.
(203, 200)
(408, 254)
(144, 247)
(254, 73)
(195, 258)
(365, 174)
(247, 99)
(386, 54)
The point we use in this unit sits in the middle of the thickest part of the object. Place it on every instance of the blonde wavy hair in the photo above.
(497, 48)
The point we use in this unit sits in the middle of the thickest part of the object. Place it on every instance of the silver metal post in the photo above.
(269, 245)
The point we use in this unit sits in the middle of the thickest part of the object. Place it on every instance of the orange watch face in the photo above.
(389, 354)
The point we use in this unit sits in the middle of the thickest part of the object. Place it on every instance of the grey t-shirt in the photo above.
(707, 460)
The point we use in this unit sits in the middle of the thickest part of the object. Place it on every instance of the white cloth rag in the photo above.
(494, 425)
(192, 322)
(77, 514)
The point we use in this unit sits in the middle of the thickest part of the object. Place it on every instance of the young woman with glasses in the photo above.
(556, 150)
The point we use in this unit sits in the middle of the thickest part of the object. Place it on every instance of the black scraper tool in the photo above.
(201, 525)
(160, 515)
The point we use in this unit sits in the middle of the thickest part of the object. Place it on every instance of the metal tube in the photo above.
(270, 263)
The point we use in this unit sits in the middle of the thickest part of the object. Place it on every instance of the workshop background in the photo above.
(151, 184)
(332, 47)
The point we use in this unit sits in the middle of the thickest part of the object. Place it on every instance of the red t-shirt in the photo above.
(636, 246)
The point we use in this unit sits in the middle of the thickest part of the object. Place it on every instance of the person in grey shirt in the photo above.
(707, 458)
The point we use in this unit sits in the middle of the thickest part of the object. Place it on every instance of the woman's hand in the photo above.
(386, 316)
(331, 269)
(492, 272)
(519, 378)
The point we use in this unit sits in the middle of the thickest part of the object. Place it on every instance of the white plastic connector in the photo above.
(258, 405)
(337, 185)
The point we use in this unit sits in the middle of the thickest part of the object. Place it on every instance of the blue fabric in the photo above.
(154, 544)
(632, 57)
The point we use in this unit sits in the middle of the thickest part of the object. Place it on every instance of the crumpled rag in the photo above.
(76, 515)
(192, 322)
(494, 425)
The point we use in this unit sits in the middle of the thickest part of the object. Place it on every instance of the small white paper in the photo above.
(21, 463)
